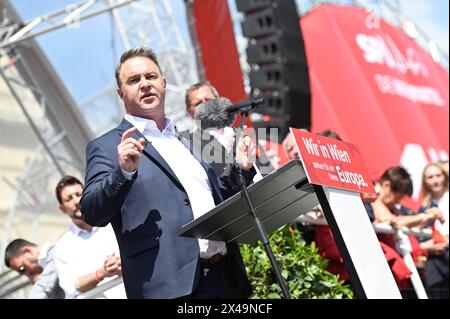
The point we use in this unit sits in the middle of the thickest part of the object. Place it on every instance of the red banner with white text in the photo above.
(377, 88)
(330, 162)
(371, 83)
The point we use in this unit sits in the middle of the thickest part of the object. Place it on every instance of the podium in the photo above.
(278, 198)
(286, 194)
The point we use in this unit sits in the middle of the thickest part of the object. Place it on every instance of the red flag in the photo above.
(437, 236)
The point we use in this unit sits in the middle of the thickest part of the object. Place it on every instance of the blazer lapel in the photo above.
(208, 169)
(189, 145)
(150, 151)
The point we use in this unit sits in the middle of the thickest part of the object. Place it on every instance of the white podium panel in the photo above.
(361, 243)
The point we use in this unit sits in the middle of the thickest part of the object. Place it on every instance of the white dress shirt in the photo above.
(46, 286)
(188, 170)
(42, 258)
(79, 253)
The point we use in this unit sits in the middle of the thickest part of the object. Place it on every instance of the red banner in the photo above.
(218, 46)
(330, 162)
(377, 88)
(371, 83)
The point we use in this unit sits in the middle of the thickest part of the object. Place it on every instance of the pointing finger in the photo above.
(128, 133)
(142, 141)
(133, 143)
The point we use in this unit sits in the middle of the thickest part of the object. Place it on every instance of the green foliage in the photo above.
(303, 269)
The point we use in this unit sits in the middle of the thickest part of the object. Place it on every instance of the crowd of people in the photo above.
(430, 254)
(144, 180)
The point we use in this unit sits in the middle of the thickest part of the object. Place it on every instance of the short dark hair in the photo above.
(136, 52)
(14, 249)
(65, 181)
(197, 86)
(331, 134)
(400, 180)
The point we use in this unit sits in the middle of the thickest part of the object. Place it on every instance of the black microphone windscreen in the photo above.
(213, 114)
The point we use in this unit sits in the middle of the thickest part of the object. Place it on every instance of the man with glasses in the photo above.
(213, 142)
(197, 94)
(38, 264)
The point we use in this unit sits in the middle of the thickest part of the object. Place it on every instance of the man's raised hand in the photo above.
(246, 149)
(129, 151)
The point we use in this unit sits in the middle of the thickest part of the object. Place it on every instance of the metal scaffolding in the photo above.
(63, 132)
(149, 23)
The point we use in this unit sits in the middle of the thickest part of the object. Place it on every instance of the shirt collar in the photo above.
(77, 230)
(143, 124)
(42, 258)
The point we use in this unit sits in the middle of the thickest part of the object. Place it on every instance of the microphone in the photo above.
(244, 106)
(213, 113)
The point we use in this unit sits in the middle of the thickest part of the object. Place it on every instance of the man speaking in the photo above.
(145, 181)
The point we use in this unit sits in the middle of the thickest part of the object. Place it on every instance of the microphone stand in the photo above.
(258, 223)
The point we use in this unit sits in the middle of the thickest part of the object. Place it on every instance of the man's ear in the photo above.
(190, 112)
(165, 82)
(26, 249)
(120, 93)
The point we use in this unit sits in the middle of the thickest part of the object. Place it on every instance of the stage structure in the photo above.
(152, 24)
(57, 136)
(388, 68)
(53, 138)
(210, 59)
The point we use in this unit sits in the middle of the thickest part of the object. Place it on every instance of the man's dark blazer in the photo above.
(145, 213)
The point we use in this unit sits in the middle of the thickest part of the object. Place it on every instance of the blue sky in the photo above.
(432, 17)
(85, 58)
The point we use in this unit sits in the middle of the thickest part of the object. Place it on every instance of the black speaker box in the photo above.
(280, 76)
(249, 6)
(271, 20)
(279, 69)
(278, 48)
(284, 103)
